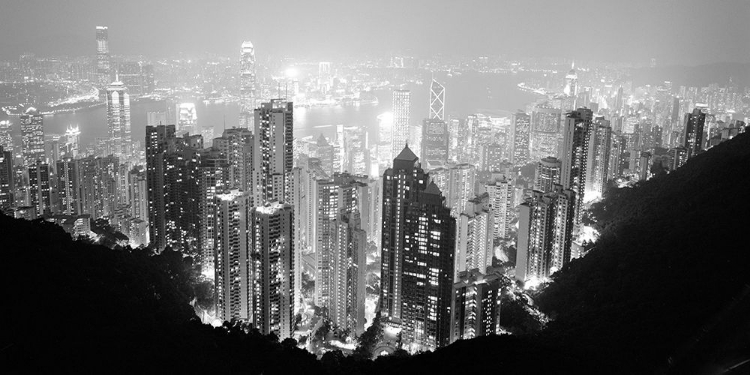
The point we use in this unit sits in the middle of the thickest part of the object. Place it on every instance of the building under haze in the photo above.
(118, 120)
(248, 94)
(437, 101)
(102, 55)
(32, 137)
(401, 120)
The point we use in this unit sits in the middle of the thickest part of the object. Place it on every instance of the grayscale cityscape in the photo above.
(384, 187)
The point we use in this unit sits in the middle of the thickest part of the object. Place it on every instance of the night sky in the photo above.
(673, 31)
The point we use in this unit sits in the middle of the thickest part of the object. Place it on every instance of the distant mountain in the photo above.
(694, 76)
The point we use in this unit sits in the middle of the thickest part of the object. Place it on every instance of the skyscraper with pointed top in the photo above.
(248, 98)
(418, 242)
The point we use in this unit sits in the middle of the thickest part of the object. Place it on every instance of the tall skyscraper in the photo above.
(417, 254)
(32, 133)
(102, 55)
(6, 135)
(248, 96)
(694, 137)
(214, 180)
(401, 120)
(434, 140)
(575, 155)
(237, 146)
(274, 151)
(475, 306)
(68, 187)
(437, 101)
(545, 227)
(598, 159)
(158, 139)
(233, 275)
(456, 182)
(547, 174)
(118, 120)
(272, 260)
(187, 118)
(520, 129)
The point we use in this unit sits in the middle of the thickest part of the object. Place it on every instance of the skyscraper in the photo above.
(248, 95)
(401, 120)
(39, 188)
(598, 159)
(545, 227)
(118, 120)
(474, 236)
(575, 154)
(67, 187)
(520, 128)
(547, 174)
(272, 261)
(102, 55)
(158, 139)
(501, 205)
(233, 275)
(214, 180)
(32, 133)
(187, 119)
(694, 123)
(237, 145)
(274, 151)
(456, 182)
(437, 101)
(434, 140)
(417, 254)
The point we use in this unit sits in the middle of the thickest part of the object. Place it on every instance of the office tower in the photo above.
(417, 254)
(72, 140)
(597, 169)
(233, 275)
(475, 229)
(501, 198)
(547, 174)
(401, 120)
(324, 76)
(575, 154)
(39, 188)
(434, 140)
(32, 133)
(437, 101)
(272, 259)
(545, 226)
(248, 95)
(475, 305)
(187, 119)
(102, 55)
(67, 187)
(457, 184)
(274, 157)
(694, 123)
(520, 127)
(7, 185)
(118, 120)
(491, 158)
(237, 145)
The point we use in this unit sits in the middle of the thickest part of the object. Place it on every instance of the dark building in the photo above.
(417, 255)
(694, 123)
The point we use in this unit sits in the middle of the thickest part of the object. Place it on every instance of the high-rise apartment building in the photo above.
(233, 268)
(575, 155)
(272, 262)
(40, 195)
(544, 234)
(501, 203)
(456, 182)
(7, 181)
(237, 146)
(694, 129)
(600, 146)
(547, 174)
(435, 139)
(475, 305)
(474, 236)
(273, 152)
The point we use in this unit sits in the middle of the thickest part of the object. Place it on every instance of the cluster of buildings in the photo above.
(440, 200)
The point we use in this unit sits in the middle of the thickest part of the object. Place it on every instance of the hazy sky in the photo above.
(673, 31)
